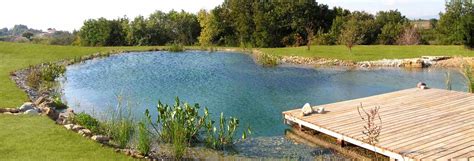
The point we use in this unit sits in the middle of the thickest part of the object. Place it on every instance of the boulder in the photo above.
(31, 112)
(39, 101)
(69, 126)
(100, 138)
(85, 132)
(306, 110)
(63, 118)
(77, 127)
(26, 106)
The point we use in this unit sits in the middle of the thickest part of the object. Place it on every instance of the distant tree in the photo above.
(61, 38)
(138, 33)
(453, 25)
(409, 36)
(184, 27)
(351, 34)
(27, 35)
(4, 31)
(390, 33)
(18, 30)
(95, 32)
(208, 28)
(468, 25)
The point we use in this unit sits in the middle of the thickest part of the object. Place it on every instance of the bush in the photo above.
(175, 47)
(267, 60)
(144, 140)
(51, 71)
(34, 78)
(88, 122)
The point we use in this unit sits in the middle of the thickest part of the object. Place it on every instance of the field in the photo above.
(38, 138)
(372, 52)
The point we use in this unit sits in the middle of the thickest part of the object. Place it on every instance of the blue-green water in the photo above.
(231, 83)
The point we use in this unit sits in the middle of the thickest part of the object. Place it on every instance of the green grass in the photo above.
(14, 56)
(38, 138)
(372, 52)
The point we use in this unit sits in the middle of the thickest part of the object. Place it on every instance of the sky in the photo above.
(70, 14)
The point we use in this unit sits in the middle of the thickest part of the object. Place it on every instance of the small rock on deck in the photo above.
(430, 124)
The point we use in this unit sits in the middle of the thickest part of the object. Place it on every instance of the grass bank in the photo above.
(39, 138)
(370, 52)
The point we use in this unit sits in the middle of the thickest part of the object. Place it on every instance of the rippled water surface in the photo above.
(232, 83)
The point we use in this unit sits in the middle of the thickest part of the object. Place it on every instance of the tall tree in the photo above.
(351, 34)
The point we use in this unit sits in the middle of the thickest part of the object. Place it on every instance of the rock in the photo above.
(31, 112)
(13, 110)
(69, 110)
(26, 106)
(63, 118)
(39, 101)
(8, 113)
(421, 85)
(100, 138)
(85, 132)
(69, 126)
(77, 127)
(306, 110)
(320, 110)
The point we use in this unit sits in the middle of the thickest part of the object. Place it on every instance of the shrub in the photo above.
(51, 71)
(88, 122)
(34, 78)
(144, 140)
(267, 60)
(57, 102)
(175, 47)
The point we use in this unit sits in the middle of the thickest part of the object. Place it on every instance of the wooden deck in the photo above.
(430, 124)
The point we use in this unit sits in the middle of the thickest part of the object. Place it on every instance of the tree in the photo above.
(351, 34)
(468, 25)
(390, 33)
(27, 35)
(208, 28)
(138, 33)
(409, 36)
(95, 32)
(453, 26)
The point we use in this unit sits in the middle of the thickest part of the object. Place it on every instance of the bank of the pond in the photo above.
(16, 56)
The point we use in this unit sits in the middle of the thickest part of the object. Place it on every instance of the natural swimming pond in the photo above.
(232, 83)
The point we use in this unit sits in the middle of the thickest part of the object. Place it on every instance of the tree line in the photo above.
(276, 23)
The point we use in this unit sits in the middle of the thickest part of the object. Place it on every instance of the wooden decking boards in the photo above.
(429, 124)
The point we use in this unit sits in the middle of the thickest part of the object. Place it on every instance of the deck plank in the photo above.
(417, 124)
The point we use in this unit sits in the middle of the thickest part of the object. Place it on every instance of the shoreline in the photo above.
(20, 76)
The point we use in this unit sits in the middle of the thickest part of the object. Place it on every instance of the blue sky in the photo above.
(70, 14)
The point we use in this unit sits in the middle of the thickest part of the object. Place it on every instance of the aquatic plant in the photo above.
(51, 71)
(88, 122)
(267, 60)
(120, 124)
(182, 123)
(223, 136)
(43, 77)
(448, 83)
(467, 72)
(144, 139)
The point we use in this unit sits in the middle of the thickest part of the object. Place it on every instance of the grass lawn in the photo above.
(38, 138)
(372, 52)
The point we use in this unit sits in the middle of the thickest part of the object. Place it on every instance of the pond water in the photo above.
(232, 83)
